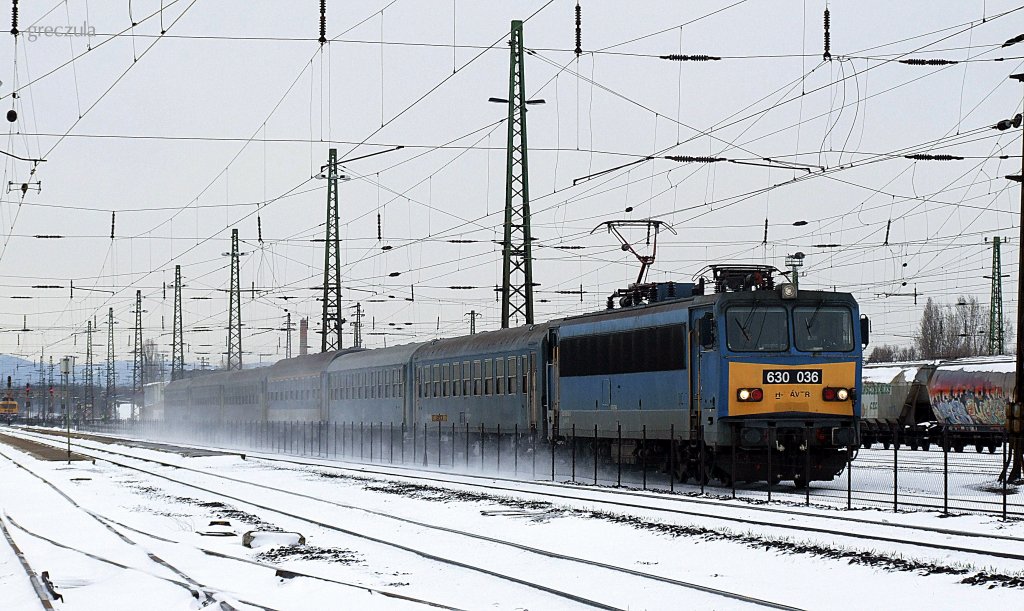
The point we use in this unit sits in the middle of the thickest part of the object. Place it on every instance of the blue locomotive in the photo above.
(731, 377)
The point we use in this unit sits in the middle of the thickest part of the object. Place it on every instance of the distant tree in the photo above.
(953, 332)
(890, 353)
(151, 361)
(930, 337)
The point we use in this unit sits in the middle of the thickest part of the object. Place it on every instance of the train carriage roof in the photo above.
(245, 376)
(378, 357)
(305, 366)
(502, 340)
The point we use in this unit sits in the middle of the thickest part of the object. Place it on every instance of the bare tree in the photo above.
(888, 353)
(930, 337)
(953, 332)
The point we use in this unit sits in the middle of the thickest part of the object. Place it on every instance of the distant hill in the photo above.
(22, 370)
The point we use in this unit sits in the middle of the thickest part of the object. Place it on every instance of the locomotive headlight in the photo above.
(787, 291)
(842, 394)
(750, 394)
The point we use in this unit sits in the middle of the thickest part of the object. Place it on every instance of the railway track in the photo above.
(120, 530)
(649, 579)
(42, 595)
(920, 536)
(206, 595)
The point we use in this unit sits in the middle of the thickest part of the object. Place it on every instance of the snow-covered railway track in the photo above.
(41, 594)
(550, 490)
(789, 517)
(600, 570)
(205, 594)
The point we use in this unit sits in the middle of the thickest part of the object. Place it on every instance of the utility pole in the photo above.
(1015, 415)
(111, 381)
(178, 334)
(996, 341)
(287, 334)
(49, 384)
(472, 321)
(357, 328)
(235, 309)
(137, 372)
(331, 331)
(89, 388)
(517, 262)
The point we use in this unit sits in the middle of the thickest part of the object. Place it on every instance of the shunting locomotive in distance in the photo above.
(731, 377)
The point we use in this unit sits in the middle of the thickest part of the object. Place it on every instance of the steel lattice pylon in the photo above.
(178, 335)
(996, 341)
(90, 393)
(331, 330)
(137, 371)
(111, 379)
(517, 262)
(235, 309)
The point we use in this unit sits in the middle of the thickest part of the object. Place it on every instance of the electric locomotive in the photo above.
(749, 382)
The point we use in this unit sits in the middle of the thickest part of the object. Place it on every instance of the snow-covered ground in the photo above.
(465, 542)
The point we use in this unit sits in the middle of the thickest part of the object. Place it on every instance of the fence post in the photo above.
(453, 445)
(574, 453)
(533, 450)
(361, 442)
(771, 446)
(807, 464)
(703, 467)
(551, 442)
(618, 481)
(672, 457)
(499, 448)
(371, 441)
(515, 451)
(1006, 467)
(438, 444)
(945, 471)
(595, 454)
(735, 452)
(424, 444)
(414, 427)
(849, 478)
(481, 446)
(895, 468)
(467, 446)
(403, 442)
(391, 442)
(643, 454)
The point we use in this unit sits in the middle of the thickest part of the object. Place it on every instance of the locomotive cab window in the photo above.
(823, 328)
(757, 328)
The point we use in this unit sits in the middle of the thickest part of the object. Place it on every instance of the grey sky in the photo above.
(174, 132)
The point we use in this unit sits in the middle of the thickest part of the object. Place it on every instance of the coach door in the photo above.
(552, 386)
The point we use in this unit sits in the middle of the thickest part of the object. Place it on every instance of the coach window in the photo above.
(436, 379)
(511, 372)
(467, 379)
(456, 379)
(477, 378)
(445, 378)
(499, 376)
(488, 377)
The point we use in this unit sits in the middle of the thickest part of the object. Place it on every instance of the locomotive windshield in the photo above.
(823, 328)
(757, 329)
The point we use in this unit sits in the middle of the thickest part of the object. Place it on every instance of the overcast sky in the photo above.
(225, 120)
